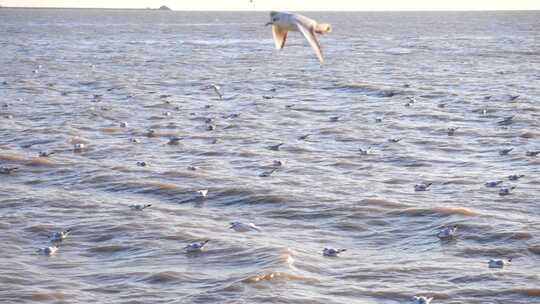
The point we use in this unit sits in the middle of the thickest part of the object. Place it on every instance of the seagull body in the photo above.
(275, 147)
(365, 151)
(506, 191)
(142, 164)
(447, 232)
(51, 250)
(422, 300)
(46, 153)
(452, 131)
(532, 153)
(134, 140)
(277, 163)
(515, 177)
(78, 147)
(283, 22)
(493, 184)
(58, 237)
(139, 207)
(195, 247)
(174, 141)
(123, 124)
(332, 252)
(421, 187)
(499, 263)
(217, 90)
(203, 193)
(241, 227)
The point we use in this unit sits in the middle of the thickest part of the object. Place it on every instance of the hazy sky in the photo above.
(293, 5)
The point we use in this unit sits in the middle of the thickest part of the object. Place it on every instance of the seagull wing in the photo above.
(311, 38)
(280, 36)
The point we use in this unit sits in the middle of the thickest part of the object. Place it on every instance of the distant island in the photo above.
(164, 8)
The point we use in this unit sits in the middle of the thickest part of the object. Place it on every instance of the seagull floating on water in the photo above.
(422, 300)
(275, 147)
(532, 153)
(422, 187)
(277, 163)
(447, 232)
(46, 153)
(499, 263)
(241, 227)
(142, 164)
(515, 177)
(123, 124)
(58, 237)
(332, 252)
(506, 190)
(452, 131)
(79, 147)
(51, 250)
(493, 184)
(139, 207)
(365, 151)
(203, 193)
(196, 247)
(174, 141)
(134, 140)
(217, 90)
(283, 22)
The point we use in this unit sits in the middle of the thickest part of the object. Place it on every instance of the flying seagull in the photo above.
(283, 22)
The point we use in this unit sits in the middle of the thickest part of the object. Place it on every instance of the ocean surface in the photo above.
(73, 76)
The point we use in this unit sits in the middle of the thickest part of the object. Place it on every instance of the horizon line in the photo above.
(261, 10)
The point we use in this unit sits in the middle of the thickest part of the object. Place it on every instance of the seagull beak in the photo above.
(269, 23)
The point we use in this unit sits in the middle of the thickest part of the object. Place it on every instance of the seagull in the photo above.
(217, 90)
(142, 164)
(267, 173)
(203, 193)
(499, 263)
(283, 22)
(277, 163)
(78, 147)
(422, 187)
(58, 237)
(493, 184)
(241, 227)
(51, 250)
(46, 153)
(174, 141)
(196, 247)
(134, 140)
(275, 147)
(123, 124)
(532, 153)
(304, 137)
(335, 118)
(332, 252)
(515, 177)
(192, 168)
(139, 207)
(8, 170)
(452, 131)
(365, 151)
(506, 191)
(505, 151)
(422, 300)
(411, 99)
(395, 140)
(447, 232)
(151, 133)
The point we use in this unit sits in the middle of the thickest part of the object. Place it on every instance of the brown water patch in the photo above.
(11, 157)
(110, 130)
(161, 186)
(40, 161)
(535, 249)
(383, 203)
(529, 292)
(440, 211)
(529, 135)
(50, 296)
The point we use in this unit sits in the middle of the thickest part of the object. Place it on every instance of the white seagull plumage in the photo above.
(139, 207)
(283, 22)
(51, 250)
(422, 300)
(447, 232)
(332, 252)
(499, 263)
(241, 227)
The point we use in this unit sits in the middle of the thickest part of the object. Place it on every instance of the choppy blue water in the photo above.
(463, 69)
